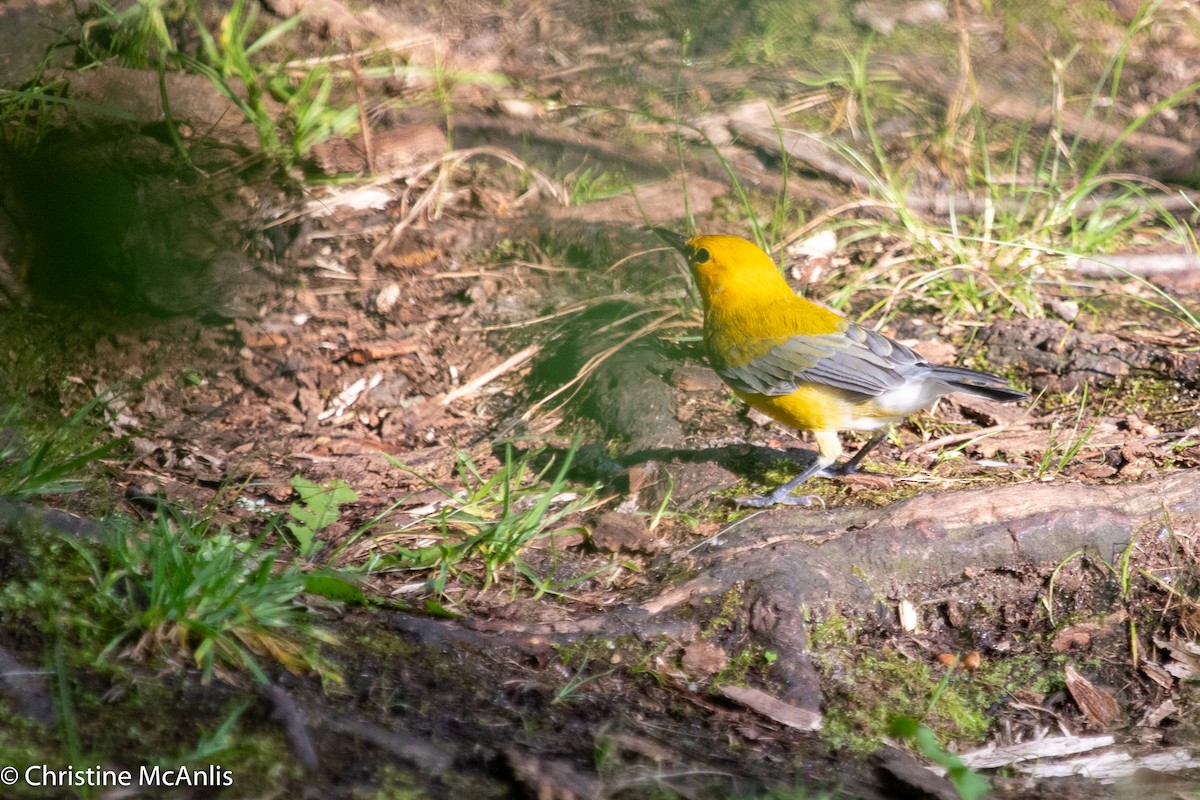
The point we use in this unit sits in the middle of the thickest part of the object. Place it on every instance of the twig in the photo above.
(477, 383)
(364, 124)
(1122, 265)
(392, 46)
(452, 159)
(967, 436)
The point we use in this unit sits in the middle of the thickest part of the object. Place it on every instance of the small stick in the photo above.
(364, 124)
(955, 438)
(477, 383)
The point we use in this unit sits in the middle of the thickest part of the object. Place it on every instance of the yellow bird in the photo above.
(809, 367)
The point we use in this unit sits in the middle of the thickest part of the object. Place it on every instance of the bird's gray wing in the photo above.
(855, 360)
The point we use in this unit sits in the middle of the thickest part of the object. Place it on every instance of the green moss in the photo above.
(867, 687)
(750, 660)
(394, 784)
(1151, 397)
(833, 631)
(127, 723)
(729, 613)
(49, 591)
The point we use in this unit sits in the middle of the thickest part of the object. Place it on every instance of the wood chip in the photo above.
(914, 778)
(378, 351)
(1097, 703)
(773, 708)
(257, 340)
(704, 659)
(387, 297)
(616, 531)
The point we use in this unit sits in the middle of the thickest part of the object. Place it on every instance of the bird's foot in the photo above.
(778, 498)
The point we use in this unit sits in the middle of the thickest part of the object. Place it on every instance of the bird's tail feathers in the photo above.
(980, 384)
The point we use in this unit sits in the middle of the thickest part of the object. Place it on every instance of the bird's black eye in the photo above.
(701, 256)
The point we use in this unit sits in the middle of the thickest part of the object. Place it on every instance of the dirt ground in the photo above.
(441, 313)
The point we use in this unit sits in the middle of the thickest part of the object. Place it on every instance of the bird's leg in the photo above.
(835, 471)
(783, 495)
(829, 449)
(825, 466)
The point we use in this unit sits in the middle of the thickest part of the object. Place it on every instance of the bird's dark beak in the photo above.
(673, 239)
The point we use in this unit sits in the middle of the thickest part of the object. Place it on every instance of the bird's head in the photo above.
(722, 264)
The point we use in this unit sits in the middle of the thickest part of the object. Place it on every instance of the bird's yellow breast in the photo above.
(821, 408)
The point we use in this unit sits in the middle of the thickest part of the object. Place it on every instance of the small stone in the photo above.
(615, 531)
(689, 378)
(1075, 636)
(907, 614)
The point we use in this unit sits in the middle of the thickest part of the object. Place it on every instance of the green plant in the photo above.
(229, 57)
(1122, 569)
(188, 587)
(1007, 234)
(1060, 452)
(493, 520)
(318, 509)
(39, 458)
(866, 687)
(969, 784)
(577, 680)
(139, 32)
(289, 107)
(213, 744)
(66, 705)
(24, 120)
(588, 186)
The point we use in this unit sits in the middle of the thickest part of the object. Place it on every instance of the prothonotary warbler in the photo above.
(807, 366)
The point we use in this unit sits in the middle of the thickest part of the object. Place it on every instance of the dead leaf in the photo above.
(1156, 673)
(1154, 716)
(1184, 661)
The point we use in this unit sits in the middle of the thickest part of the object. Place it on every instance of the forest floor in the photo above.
(469, 390)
